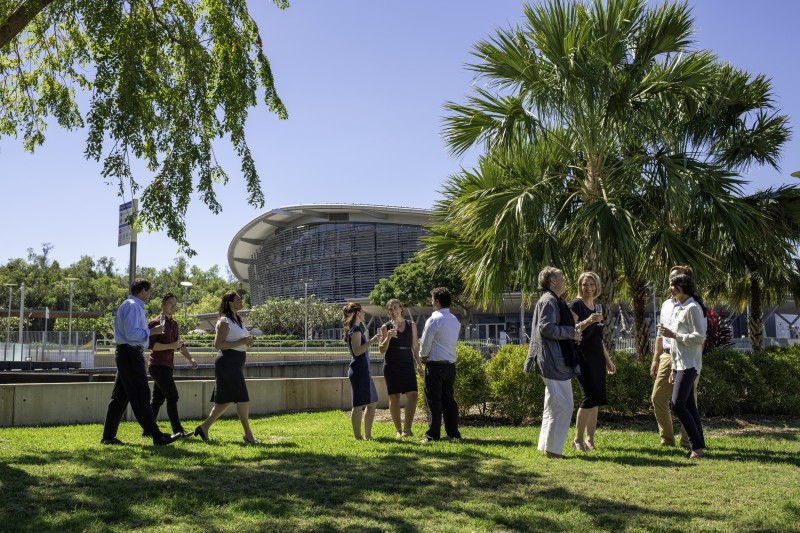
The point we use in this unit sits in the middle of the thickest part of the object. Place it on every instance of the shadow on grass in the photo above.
(452, 486)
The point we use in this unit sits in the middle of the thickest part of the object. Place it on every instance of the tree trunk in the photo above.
(19, 20)
(755, 319)
(638, 290)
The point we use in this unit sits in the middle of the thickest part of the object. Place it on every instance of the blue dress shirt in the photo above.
(130, 324)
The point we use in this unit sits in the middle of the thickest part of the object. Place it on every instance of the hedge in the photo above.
(731, 383)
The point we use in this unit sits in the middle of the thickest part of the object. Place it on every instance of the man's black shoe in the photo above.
(146, 434)
(114, 441)
(164, 439)
(183, 434)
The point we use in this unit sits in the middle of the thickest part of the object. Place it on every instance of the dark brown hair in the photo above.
(442, 295)
(349, 313)
(225, 307)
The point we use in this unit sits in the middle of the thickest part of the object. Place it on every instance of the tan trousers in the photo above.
(662, 394)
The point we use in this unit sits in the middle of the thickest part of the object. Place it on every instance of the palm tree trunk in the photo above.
(755, 320)
(638, 291)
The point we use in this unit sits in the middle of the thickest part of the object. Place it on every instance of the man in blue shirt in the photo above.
(131, 335)
(438, 350)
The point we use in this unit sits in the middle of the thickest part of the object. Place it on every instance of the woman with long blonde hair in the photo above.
(365, 396)
(593, 358)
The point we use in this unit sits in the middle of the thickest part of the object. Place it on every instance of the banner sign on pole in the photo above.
(127, 234)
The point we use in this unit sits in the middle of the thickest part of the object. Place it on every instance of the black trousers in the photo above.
(164, 389)
(440, 400)
(130, 386)
(685, 407)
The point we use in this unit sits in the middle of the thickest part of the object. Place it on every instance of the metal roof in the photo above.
(249, 239)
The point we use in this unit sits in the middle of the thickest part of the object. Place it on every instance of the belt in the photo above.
(440, 363)
(135, 347)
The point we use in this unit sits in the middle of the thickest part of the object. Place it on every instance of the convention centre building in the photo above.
(338, 252)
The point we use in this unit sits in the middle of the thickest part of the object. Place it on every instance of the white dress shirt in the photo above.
(440, 337)
(665, 319)
(689, 326)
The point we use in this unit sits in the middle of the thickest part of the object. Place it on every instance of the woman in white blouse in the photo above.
(232, 340)
(688, 332)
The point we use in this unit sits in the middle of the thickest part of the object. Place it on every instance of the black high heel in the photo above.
(200, 433)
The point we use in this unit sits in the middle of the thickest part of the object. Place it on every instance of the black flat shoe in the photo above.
(115, 442)
(200, 433)
(248, 441)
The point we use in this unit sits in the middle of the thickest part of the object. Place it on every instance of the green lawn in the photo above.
(310, 475)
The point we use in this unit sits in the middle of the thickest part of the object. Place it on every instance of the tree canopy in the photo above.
(101, 288)
(610, 143)
(165, 80)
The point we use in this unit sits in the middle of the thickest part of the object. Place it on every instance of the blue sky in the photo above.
(364, 82)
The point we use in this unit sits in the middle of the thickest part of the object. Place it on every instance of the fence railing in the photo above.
(51, 346)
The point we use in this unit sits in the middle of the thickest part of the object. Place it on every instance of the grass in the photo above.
(310, 475)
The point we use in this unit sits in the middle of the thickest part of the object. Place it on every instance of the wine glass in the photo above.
(599, 309)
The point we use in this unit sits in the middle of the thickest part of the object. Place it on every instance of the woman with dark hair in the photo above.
(232, 340)
(364, 392)
(553, 353)
(687, 332)
(400, 344)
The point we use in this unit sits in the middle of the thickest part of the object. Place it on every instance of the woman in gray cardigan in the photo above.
(553, 354)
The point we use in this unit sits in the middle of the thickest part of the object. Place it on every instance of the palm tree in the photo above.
(581, 116)
(763, 269)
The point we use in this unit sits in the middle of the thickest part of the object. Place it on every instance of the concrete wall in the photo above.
(33, 404)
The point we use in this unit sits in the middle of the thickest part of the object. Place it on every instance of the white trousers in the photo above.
(557, 416)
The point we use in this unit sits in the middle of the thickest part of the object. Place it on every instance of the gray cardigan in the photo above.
(545, 349)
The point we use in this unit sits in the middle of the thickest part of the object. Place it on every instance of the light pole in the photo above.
(21, 308)
(8, 319)
(305, 312)
(185, 285)
(69, 327)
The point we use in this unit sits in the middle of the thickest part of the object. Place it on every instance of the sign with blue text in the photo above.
(127, 234)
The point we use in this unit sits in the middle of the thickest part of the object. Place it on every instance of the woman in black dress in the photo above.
(400, 344)
(364, 392)
(232, 341)
(593, 358)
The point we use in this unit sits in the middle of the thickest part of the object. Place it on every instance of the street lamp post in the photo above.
(21, 309)
(305, 313)
(69, 326)
(185, 285)
(8, 319)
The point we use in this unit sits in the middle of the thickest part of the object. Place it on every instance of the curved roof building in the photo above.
(342, 250)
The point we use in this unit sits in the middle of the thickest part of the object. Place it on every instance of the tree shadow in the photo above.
(280, 488)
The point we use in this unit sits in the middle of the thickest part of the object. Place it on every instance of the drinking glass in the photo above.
(599, 309)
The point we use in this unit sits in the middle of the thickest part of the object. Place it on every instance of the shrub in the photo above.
(515, 394)
(780, 368)
(472, 384)
(730, 384)
(629, 390)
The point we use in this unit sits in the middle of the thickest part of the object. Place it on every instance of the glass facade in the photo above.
(343, 260)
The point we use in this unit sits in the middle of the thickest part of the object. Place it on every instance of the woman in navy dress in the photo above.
(400, 344)
(364, 393)
(593, 359)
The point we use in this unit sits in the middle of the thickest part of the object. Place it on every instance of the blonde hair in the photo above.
(594, 277)
(349, 314)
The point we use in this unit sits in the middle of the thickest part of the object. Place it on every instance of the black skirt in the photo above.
(229, 385)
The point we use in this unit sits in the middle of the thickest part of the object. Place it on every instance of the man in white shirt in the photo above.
(438, 350)
(661, 369)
